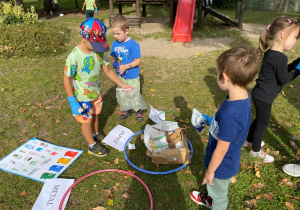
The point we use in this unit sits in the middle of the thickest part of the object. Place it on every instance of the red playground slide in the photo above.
(183, 27)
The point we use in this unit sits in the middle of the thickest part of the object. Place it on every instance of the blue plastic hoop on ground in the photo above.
(152, 172)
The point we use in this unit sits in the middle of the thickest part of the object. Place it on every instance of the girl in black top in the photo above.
(280, 36)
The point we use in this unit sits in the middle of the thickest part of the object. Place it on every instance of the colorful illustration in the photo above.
(89, 64)
(47, 176)
(34, 162)
(90, 94)
(71, 154)
(93, 81)
(64, 160)
(56, 168)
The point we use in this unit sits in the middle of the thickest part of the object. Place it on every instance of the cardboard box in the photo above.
(173, 156)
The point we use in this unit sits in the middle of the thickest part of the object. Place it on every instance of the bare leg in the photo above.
(95, 123)
(87, 132)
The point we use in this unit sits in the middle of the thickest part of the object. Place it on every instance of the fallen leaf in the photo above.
(268, 197)
(110, 202)
(260, 186)
(152, 90)
(117, 184)
(115, 188)
(47, 116)
(197, 54)
(57, 121)
(257, 197)
(27, 104)
(86, 191)
(251, 202)
(126, 195)
(24, 111)
(188, 172)
(233, 180)
(116, 161)
(295, 146)
(290, 205)
(107, 162)
(107, 193)
(23, 194)
(99, 208)
(283, 93)
(142, 167)
(149, 81)
(91, 163)
(257, 174)
(291, 86)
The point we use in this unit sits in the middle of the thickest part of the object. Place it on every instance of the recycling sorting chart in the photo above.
(39, 160)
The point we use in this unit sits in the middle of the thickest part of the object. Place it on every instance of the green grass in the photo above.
(35, 85)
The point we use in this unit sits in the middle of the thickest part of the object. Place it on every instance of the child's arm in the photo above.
(216, 159)
(95, 6)
(123, 68)
(83, 5)
(68, 85)
(111, 75)
(75, 106)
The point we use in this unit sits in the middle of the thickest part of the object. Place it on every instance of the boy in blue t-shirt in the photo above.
(126, 58)
(82, 81)
(236, 69)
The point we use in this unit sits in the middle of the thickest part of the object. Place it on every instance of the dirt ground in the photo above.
(168, 49)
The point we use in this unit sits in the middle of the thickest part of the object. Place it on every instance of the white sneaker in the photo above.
(292, 169)
(51, 13)
(61, 15)
(267, 158)
(249, 144)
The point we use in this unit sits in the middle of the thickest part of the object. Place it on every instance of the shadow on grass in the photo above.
(197, 161)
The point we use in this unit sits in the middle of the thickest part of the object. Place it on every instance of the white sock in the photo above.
(92, 145)
(94, 135)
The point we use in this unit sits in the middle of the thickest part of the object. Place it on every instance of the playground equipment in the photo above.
(184, 19)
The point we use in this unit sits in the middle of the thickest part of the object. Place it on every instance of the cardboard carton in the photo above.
(173, 156)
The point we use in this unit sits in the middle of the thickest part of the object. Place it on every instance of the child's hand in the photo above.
(208, 178)
(208, 118)
(122, 69)
(116, 66)
(127, 88)
(75, 106)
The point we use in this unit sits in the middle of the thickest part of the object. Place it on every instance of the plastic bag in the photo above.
(198, 120)
(133, 100)
(155, 137)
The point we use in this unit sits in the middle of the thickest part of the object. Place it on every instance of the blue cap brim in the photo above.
(100, 46)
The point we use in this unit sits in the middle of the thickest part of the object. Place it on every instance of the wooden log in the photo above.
(220, 16)
(111, 7)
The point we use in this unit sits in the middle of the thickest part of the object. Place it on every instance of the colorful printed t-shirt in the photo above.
(90, 4)
(125, 53)
(84, 69)
(231, 124)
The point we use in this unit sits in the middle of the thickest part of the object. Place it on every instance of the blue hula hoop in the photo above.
(152, 172)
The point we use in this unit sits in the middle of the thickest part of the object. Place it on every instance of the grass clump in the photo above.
(32, 40)
(10, 13)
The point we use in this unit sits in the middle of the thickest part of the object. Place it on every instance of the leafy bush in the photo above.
(10, 13)
(32, 40)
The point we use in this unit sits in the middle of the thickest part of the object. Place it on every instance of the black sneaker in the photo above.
(99, 150)
(99, 138)
(125, 114)
(201, 199)
(139, 115)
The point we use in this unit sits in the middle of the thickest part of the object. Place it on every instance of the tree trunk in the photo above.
(297, 6)
(19, 2)
(48, 6)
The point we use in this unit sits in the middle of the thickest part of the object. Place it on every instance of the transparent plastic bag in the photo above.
(198, 120)
(155, 138)
(132, 100)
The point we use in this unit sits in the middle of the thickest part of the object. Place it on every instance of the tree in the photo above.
(48, 6)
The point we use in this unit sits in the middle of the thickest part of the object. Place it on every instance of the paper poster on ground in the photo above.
(52, 193)
(39, 160)
(117, 137)
(156, 116)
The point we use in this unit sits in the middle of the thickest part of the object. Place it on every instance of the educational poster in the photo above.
(39, 160)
